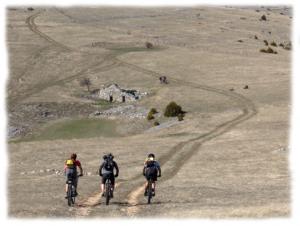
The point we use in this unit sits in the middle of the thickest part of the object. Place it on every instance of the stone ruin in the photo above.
(113, 92)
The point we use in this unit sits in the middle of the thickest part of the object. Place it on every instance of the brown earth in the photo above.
(227, 158)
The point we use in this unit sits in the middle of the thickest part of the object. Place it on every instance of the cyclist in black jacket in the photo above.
(106, 171)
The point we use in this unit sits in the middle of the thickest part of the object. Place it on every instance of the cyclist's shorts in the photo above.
(151, 172)
(108, 176)
(151, 176)
(70, 175)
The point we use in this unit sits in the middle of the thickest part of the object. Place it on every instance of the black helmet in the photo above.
(151, 155)
(110, 155)
(105, 157)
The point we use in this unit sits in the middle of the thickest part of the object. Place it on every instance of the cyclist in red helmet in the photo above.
(70, 170)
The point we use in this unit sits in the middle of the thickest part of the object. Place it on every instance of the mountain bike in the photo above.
(149, 190)
(71, 192)
(108, 191)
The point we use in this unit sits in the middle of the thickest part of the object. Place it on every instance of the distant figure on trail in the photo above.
(163, 80)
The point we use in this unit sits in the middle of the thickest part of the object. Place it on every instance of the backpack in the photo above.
(70, 164)
(109, 165)
(151, 168)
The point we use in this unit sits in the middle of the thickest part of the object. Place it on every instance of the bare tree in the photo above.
(86, 82)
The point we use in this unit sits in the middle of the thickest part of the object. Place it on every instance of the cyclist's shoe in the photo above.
(75, 193)
(66, 196)
(103, 194)
(145, 193)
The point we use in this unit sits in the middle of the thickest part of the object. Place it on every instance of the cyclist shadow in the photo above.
(126, 204)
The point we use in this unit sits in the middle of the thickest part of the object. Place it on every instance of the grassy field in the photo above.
(76, 129)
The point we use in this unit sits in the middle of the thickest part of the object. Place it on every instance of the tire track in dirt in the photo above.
(40, 87)
(86, 205)
(179, 156)
(32, 26)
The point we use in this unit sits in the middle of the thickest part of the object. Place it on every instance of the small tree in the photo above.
(173, 110)
(86, 82)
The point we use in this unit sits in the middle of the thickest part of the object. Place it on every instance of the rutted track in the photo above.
(40, 87)
(179, 156)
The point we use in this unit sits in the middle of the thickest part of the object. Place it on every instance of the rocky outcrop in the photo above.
(118, 94)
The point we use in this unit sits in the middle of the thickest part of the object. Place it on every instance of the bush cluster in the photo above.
(173, 110)
(268, 50)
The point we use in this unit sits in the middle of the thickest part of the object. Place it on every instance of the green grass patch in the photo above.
(76, 129)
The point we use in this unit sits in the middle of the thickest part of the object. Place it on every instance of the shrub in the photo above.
(263, 50)
(153, 111)
(173, 110)
(255, 37)
(150, 116)
(268, 50)
(282, 45)
(156, 123)
(288, 46)
(273, 44)
(266, 42)
(149, 45)
(180, 117)
(263, 17)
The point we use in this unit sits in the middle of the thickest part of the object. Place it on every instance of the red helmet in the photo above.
(74, 156)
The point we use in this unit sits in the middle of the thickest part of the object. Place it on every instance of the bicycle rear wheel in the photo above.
(69, 194)
(149, 191)
(107, 191)
(73, 195)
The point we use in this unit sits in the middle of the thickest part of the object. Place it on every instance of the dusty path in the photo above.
(179, 156)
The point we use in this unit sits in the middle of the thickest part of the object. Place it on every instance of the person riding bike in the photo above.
(106, 171)
(151, 170)
(70, 169)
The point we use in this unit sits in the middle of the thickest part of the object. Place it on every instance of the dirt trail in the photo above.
(179, 156)
(40, 87)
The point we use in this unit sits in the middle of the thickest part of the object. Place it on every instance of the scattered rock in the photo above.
(231, 89)
(128, 111)
(246, 87)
